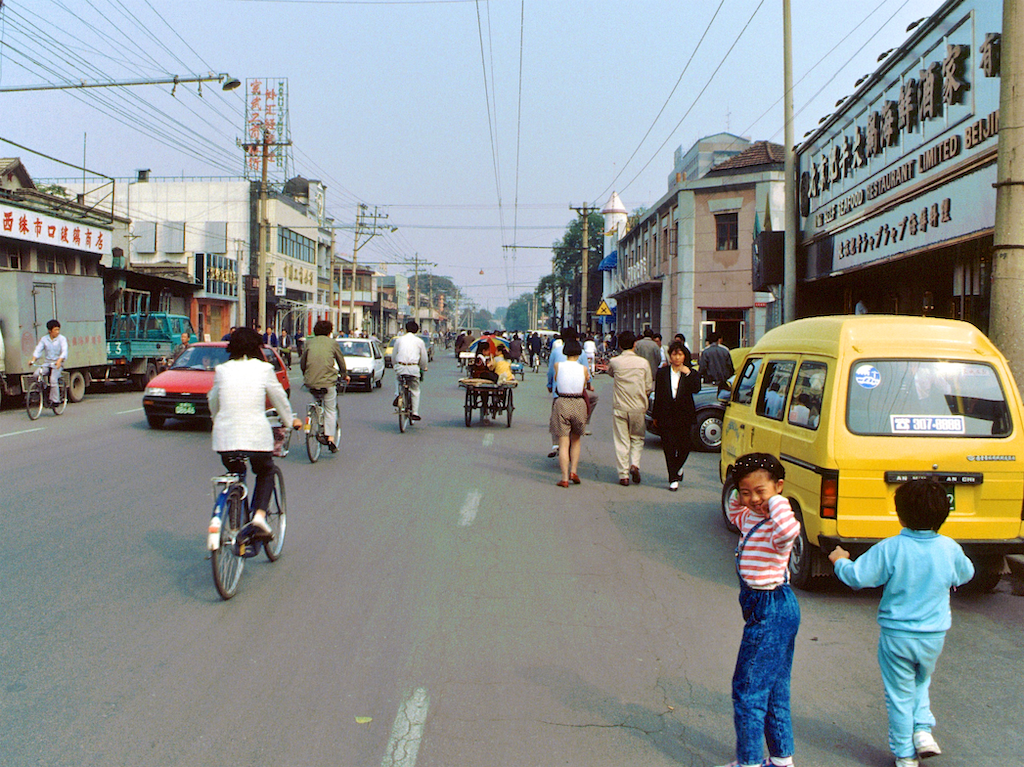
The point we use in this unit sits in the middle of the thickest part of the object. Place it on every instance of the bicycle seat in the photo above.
(318, 392)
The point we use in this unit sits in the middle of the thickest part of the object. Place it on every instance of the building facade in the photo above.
(685, 265)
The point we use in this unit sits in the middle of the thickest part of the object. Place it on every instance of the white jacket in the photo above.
(238, 403)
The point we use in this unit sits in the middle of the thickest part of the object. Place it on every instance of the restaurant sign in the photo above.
(902, 166)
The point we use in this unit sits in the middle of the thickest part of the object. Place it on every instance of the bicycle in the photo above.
(535, 361)
(404, 405)
(38, 392)
(316, 437)
(229, 547)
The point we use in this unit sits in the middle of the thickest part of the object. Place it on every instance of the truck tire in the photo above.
(76, 386)
(141, 380)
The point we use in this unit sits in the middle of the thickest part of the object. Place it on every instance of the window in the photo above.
(727, 229)
(921, 397)
(744, 392)
(805, 407)
(771, 402)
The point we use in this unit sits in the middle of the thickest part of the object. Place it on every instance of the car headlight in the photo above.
(155, 392)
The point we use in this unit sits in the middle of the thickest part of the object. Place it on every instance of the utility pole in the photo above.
(585, 212)
(1008, 241)
(371, 230)
(789, 170)
(416, 285)
(261, 256)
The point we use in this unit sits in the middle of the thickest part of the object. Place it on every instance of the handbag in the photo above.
(590, 406)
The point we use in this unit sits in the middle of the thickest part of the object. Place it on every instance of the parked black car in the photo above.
(707, 428)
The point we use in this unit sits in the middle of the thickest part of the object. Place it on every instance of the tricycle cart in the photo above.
(491, 399)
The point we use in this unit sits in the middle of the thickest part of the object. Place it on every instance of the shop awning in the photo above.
(609, 262)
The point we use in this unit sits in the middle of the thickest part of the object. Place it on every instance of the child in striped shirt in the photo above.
(760, 683)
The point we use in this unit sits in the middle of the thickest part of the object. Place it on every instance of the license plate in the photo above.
(185, 408)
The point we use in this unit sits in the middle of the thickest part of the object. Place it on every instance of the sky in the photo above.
(473, 125)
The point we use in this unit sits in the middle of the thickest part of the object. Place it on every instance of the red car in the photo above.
(180, 391)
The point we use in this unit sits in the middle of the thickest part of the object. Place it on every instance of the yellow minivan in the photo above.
(854, 406)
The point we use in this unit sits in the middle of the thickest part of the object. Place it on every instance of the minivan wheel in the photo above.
(727, 489)
(709, 433)
(803, 559)
(987, 574)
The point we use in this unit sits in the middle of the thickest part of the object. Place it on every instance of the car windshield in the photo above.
(355, 348)
(926, 397)
(201, 358)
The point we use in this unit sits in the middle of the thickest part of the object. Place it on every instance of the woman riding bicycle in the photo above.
(238, 403)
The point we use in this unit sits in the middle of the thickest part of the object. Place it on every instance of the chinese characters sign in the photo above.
(930, 118)
(266, 117)
(29, 226)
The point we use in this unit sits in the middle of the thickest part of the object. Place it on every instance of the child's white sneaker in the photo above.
(907, 761)
(925, 744)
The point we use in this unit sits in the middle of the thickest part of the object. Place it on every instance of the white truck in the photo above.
(28, 300)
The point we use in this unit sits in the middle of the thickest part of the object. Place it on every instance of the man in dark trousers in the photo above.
(715, 361)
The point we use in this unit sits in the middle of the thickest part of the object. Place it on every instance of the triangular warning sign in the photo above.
(603, 310)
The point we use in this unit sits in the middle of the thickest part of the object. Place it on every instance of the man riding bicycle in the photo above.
(53, 348)
(409, 357)
(322, 364)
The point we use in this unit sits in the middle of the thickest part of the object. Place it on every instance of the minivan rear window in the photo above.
(918, 397)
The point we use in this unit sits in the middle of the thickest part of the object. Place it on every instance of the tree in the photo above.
(550, 285)
(517, 316)
(566, 263)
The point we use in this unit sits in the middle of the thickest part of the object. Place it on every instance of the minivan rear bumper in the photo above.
(973, 549)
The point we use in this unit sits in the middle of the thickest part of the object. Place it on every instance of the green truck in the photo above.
(141, 345)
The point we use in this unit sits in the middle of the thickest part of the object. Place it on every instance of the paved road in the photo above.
(439, 602)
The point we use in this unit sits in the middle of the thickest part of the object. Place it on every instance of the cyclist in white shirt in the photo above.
(409, 357)
(53, 350)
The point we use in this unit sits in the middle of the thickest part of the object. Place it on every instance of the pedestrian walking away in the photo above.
(633, 383)
(649, 350)
(761, 681)
(569, 411)
(674, 413)
(916, 570)
(716, 362)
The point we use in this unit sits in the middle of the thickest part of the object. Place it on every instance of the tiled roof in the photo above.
(758, 153)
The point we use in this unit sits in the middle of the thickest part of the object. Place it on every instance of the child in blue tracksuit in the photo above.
(916, 569)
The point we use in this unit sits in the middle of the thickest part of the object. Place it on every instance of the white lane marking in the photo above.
(407, 732)
(133, 410)
(488, 440)
(469, 509)
(25, 431)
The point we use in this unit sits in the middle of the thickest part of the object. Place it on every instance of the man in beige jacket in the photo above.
(633, 382)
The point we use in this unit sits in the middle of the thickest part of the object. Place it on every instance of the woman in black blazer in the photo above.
(674, 412)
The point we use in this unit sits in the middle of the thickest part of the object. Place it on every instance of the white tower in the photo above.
(615, 216)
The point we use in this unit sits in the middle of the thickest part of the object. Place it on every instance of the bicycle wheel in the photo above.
(314, 428)
(227, 564)
(276, 517)
(403, 412)
(34, 400)
(63, 398)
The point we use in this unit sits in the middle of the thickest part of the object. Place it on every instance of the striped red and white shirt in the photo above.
(765, 555)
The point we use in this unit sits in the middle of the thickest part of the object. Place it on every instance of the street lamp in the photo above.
(227, 82)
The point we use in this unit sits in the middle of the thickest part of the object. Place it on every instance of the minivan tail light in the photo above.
(829, 497)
